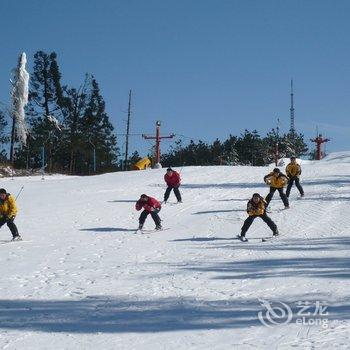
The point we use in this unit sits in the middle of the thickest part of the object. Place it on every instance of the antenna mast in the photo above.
(292, 126)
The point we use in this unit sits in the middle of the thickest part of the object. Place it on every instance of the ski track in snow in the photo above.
(82, 279)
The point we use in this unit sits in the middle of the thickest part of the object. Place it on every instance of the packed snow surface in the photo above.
(82, 278)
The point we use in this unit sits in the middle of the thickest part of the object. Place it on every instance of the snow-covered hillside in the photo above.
(82, 279)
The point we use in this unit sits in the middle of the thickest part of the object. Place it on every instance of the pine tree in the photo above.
(270, 140)
(295, 145)
(251, 148)
(45, 99)
(229, 151)
(217, 153)
(46, 91)
(96, 131)
(175, 156)
(74, 103)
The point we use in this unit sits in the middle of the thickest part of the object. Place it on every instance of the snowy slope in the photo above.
(83, 280)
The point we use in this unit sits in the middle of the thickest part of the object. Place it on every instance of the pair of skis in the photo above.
(264, 239)
(13, 241)
(143, 231)
(269, 211)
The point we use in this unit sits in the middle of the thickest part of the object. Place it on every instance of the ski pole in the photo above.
(19, 192)
(182, 167)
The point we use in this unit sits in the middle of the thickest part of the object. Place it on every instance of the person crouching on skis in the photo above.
(293, 171)
(8, 212)
(256, 208)
(276, 180)
(150, 206)
(173, 181)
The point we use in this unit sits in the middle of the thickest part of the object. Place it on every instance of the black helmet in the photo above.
(276, 170)
(143, 196)
(3, 191)
(169, 169)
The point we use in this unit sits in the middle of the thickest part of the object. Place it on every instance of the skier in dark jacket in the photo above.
(173, 181)
(276, 180)
(150, 206)
(256, 208)
(293, 171)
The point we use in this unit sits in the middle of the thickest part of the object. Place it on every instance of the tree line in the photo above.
(247, 149)
(70, 132)
(66, 125)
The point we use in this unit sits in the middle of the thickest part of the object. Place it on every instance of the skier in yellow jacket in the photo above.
(8, 212)
(293, 171)
(256, 208)
(276, 180)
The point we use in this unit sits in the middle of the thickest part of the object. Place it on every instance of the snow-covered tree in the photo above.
(19, 96)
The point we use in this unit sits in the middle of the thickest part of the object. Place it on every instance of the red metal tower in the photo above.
(158, 139)
(319, 140)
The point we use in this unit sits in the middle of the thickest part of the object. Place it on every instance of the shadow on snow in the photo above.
(201, 239)
(108, 229)
(313, 267)
(227, 185)
(217, 211)
(108, 314)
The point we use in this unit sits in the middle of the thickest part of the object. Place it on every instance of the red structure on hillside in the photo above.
(158, 138)
(319, 140)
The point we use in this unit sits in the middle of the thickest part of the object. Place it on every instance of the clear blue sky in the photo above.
(206, 68)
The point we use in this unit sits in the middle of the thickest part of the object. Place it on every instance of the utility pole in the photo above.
(127, 133)
(158, 138)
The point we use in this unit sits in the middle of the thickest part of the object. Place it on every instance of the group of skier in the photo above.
(152, 206)
(257, 206)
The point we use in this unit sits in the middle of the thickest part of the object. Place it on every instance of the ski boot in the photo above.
(16, 238)
(276, 233)
(242, 238)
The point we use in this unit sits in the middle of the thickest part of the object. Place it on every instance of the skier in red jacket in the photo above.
(172, 179)
(150, 206)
